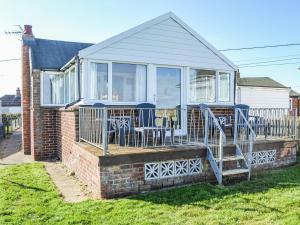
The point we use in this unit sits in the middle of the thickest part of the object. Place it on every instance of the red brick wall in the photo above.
(76, 156)
(43, 132)
(296, 105)
(25, 99)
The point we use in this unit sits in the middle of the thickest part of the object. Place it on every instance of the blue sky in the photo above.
(225, 24)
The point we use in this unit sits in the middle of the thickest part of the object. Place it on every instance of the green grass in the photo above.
(28, 196)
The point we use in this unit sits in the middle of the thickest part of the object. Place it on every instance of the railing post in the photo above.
(79, 123)
(295, 123)
(250, 155)
(235, 125)
(206, 127)
(221, 159)
(104, 131)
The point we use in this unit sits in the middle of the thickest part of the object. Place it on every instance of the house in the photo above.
(262, 92)
(11, 103)
(295, 101)
(124, 114)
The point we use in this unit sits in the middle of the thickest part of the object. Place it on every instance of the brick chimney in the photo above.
(18, 92)
(27, 30)
(25, 96)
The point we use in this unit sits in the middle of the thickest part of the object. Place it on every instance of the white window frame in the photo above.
(68, 71)
(42, 88)
(109, 101)
(217, 88)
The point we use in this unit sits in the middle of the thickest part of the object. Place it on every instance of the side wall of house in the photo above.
(43, 124)
(259, 97)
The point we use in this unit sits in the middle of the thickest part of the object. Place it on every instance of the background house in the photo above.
(11, 103)
(295, 101)
(262, 92)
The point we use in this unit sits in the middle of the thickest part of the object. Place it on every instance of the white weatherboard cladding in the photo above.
(263, 97)
(164, 43)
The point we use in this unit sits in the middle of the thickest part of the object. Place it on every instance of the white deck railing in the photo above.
(270, 123)
(119, 128)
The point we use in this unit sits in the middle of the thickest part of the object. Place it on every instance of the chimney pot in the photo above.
(28, 30)
(18, 92)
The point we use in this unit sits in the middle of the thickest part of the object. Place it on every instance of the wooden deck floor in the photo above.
(115, 149)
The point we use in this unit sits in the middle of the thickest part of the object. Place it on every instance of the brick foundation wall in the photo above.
(124, 174)
(286, 154)
(127, 179)
(76, 156)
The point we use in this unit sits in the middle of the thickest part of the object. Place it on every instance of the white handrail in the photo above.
(247, 123)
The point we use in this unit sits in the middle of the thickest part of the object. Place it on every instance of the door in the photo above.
(169, 96)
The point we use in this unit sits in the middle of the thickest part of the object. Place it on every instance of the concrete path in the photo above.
(70, 188)
(10, 150)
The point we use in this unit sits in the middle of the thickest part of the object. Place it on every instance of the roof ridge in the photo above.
(44, 39)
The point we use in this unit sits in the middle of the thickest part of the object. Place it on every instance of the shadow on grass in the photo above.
(23, 185)
(198, 193)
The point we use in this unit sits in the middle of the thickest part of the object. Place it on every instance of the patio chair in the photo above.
(118, 127)
(147, 123)
(224, 120)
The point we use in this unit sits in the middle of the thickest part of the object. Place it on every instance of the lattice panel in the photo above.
(165, 169)
(263, 157)
(181, 167)
(151, 171)
(195, 166)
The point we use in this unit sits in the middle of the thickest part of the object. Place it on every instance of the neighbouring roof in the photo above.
(294, 94)
(259, 82)
(10, 100)
(52, 54)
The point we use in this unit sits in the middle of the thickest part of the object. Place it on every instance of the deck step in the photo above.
(231, 158)
(234, 171)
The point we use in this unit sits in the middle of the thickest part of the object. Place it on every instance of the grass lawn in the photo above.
(28, 196)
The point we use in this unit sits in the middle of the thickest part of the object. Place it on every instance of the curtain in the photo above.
(140, 83)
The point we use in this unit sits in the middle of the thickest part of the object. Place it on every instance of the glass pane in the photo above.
(67, 100)
(47, 89)
(224, 86)
(129, 82)
(202, 86)
(72, 85)
(99, 81)
(168, 87)
(53, 89)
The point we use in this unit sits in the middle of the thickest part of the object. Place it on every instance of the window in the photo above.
(72, 85)
(99, 81)
(59, 88)
(129, 82)
(202, 86)
(168, 84)
(224, 86)
(66, 88)
(53, 89)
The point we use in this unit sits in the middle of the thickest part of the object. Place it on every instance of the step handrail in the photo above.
(216, 165)
(244, 147)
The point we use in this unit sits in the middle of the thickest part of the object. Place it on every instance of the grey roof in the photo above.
(294, 94)
(10, 100)
(259, 82)
(52, 54)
